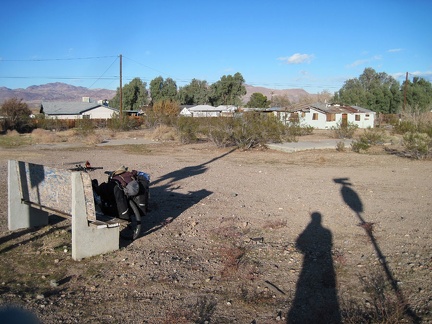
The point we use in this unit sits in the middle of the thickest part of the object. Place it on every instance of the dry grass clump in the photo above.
(164, 133)
(40, 135)
(12, 133)
(92, 139)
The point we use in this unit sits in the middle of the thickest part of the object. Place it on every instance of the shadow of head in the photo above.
(350, 196)
(343, 181)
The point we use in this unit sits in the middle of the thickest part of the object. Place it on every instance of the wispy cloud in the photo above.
(297, 58)
(421, 74)
(395, 50)
(364, 61)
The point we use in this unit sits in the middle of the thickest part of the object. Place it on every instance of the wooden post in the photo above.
(405, 87)
(121, 90)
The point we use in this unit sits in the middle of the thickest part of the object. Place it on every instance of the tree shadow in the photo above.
(316, 299)
(166, 204)
(352, 199)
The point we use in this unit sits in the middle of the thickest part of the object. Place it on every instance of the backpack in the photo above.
(135, 184)
(128, 182)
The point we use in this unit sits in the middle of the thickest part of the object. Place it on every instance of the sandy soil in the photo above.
(256, 237)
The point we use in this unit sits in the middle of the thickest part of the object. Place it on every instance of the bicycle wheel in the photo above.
(133, 230)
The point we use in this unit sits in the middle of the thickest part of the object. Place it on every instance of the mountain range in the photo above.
(59, 91)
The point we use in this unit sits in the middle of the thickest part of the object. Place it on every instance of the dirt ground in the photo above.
(261, 236)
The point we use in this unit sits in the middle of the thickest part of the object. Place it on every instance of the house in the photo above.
(77, 110)
(207, 111)
(326, 116)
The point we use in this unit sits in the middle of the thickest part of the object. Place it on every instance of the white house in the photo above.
(207, 111)
(326, 116)
(77, 110)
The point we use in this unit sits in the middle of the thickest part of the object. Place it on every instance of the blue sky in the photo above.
(283, 44)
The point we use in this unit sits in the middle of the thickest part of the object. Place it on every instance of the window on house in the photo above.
(294, 118)
(315, 116)
(357, 117)
(331, 117)
(86, 116)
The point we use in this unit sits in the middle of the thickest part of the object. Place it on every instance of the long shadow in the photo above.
(352, 199)
(166, 204)
(189, 171)
(316, 299)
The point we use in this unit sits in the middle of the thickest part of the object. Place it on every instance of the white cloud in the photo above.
(297, 58)
(394, 50)
(365, 61)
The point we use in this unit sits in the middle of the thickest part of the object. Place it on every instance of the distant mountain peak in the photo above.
(55, 91)
(293, 95)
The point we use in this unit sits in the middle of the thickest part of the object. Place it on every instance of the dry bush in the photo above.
(12, 133)
(93, 139)
(164, 133)
(40, 135)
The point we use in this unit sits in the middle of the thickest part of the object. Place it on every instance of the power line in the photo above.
(55, 59)
(103, 73)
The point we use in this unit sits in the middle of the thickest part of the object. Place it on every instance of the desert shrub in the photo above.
(373, 135)
(254, 129)
(360, 145)
(344, 130)
(188, 129)
(404, 126)
(370, 136)
(219, 130)
(383, 305)
(421, 123)
(340, 146)
(125, 123)
(84, 127)
(418, 145)
(53, 124)
(40, 135)
(294, 129)
(245, 131)
(164, 133)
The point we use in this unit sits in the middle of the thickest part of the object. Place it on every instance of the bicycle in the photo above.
(131, 226)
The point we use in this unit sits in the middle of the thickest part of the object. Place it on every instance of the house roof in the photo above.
(329, 108)
(69, 108)
(204, 108)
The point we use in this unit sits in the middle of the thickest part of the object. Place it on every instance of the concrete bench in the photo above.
(36, 191)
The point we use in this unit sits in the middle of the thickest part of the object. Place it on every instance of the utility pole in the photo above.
(121, 90)
(405, 87)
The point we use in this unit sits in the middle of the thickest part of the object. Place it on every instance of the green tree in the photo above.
(134, 95)
(161, 89)
(378, 92)
(228, 90)
(17, 115)
(195, 93)
(418, 95)
(258, 100)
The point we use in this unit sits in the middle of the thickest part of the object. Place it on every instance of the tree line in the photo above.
(376, 91)
(227, 91)
(380, 92)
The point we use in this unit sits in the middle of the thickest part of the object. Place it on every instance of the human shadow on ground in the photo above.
(166, 204)
(352, 199)
(316, 299)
